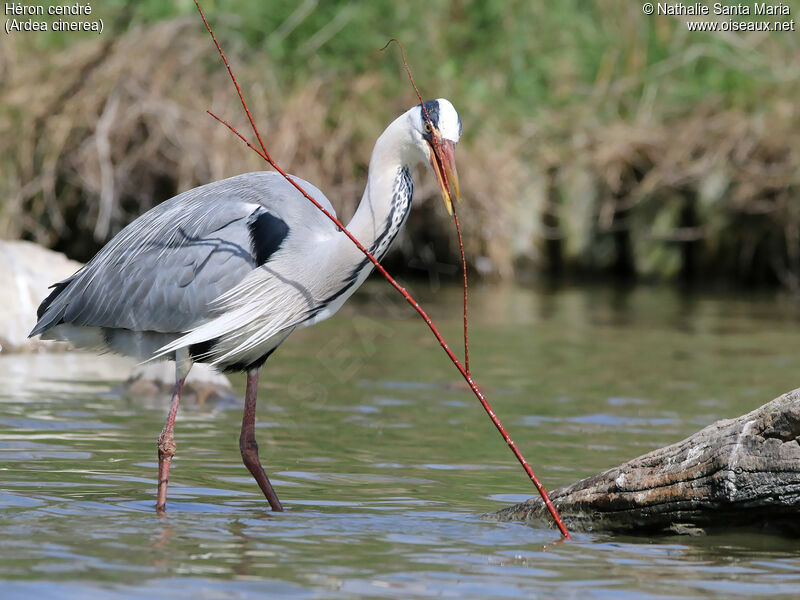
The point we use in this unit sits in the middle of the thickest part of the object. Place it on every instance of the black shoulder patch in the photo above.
(267, 233)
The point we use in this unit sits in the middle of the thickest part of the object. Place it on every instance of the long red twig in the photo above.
(464, 277)
(447, 187)
(473, 386)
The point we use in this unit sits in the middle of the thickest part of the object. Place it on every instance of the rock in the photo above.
(28, 270)
(155, 381)
(24, 282)
(148, 385)
(31, 374)
(735, 472)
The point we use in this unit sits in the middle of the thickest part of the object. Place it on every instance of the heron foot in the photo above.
(249, 450)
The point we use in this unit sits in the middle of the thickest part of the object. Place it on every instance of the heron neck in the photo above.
(386, 201)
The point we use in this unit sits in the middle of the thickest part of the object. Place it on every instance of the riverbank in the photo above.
(605, 145)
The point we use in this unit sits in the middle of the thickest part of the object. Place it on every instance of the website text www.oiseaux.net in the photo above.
(719, 16)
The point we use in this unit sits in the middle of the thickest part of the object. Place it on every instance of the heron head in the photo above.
(439, 128)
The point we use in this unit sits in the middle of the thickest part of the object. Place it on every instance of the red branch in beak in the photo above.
(443, 162)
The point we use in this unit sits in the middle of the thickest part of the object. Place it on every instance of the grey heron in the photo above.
(225, 272)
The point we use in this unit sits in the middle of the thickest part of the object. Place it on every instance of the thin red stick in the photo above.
(414, 85)
(473, 386)
(464, 274)
(449, 194)
(241, 97)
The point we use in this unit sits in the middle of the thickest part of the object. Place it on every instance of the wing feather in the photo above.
(166, 271)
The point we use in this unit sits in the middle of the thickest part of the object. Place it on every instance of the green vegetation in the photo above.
(615, 141)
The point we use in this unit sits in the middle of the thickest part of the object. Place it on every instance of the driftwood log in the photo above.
(737, 472)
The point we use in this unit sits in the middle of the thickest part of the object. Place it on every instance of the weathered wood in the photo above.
(737, 472)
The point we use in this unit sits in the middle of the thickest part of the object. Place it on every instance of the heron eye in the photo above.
(427, 127)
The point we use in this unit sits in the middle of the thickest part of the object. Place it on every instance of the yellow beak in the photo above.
(443, 162)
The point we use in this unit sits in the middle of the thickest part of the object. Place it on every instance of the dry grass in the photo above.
(712, 194)
(123, 127)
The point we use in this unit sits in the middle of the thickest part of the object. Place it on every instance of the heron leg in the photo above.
(166, 447)
(248, 445)
(166, 441)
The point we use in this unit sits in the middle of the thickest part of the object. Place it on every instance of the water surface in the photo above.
(385, 462)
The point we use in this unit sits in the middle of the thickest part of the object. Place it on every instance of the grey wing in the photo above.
(163, 271)
(162, 287)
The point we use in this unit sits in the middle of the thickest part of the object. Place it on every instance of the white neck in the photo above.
(380, 216)
(387, 195)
